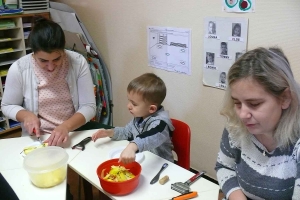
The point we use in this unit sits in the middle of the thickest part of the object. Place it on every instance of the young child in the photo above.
(150, 128)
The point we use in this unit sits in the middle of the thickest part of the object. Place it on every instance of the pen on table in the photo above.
(185, 196)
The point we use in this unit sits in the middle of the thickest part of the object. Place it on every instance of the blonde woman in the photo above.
(259, 155)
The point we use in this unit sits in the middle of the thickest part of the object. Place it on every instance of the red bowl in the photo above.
(119, 188)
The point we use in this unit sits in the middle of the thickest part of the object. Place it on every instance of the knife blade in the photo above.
(39, 139)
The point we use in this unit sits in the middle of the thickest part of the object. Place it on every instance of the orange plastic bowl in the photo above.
(119, 188)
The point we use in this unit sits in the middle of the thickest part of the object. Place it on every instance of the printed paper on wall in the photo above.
(169, 49)
(225, 41)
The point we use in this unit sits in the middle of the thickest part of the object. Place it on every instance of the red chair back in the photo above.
(182, 140)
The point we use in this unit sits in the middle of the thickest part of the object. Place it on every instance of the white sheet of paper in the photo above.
(225, 40)
(67, 21)
(169, 49)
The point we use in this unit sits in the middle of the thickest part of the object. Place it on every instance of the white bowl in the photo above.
(116, 152)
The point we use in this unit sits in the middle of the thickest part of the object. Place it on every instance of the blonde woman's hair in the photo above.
(151, 87)
(271, 69)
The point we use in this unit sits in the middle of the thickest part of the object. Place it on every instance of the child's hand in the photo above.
(101, 133)
(128, 154)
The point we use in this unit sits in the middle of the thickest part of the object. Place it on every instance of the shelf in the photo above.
(10, 129)
(45, 14)
(9, 39)
(39, 7)
(10, 51)
(45, 1)
(4, 28)
(8, 62)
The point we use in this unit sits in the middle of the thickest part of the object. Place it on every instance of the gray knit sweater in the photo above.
(260, 174)
(151, 134)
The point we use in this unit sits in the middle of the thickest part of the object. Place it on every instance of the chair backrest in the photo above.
(182, 141)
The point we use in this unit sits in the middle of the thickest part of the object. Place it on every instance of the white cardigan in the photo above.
(21, 88)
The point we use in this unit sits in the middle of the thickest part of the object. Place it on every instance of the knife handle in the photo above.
(186, 196)
(39, 138)
(195, 177)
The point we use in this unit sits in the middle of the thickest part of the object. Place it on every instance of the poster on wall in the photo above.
(225, 40)
(243, 6)
(169, 49)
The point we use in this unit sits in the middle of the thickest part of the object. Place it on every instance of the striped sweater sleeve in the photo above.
(124, 133)
(225, 166)
(296, 193)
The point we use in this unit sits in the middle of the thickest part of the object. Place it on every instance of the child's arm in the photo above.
(117, 133)
(101, 133)
(128, 154)
(123, 133)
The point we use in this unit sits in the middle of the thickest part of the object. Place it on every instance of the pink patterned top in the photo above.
(55, 101)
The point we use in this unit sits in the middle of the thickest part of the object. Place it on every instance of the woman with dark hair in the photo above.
(50, 90)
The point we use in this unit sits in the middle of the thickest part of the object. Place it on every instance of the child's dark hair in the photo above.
(46, 35)
(151, 87)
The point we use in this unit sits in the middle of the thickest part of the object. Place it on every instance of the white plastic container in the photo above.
(47, 166)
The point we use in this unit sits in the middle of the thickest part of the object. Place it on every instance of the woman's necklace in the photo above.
(271, 145)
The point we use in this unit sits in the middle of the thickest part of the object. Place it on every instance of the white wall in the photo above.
(119, 30)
